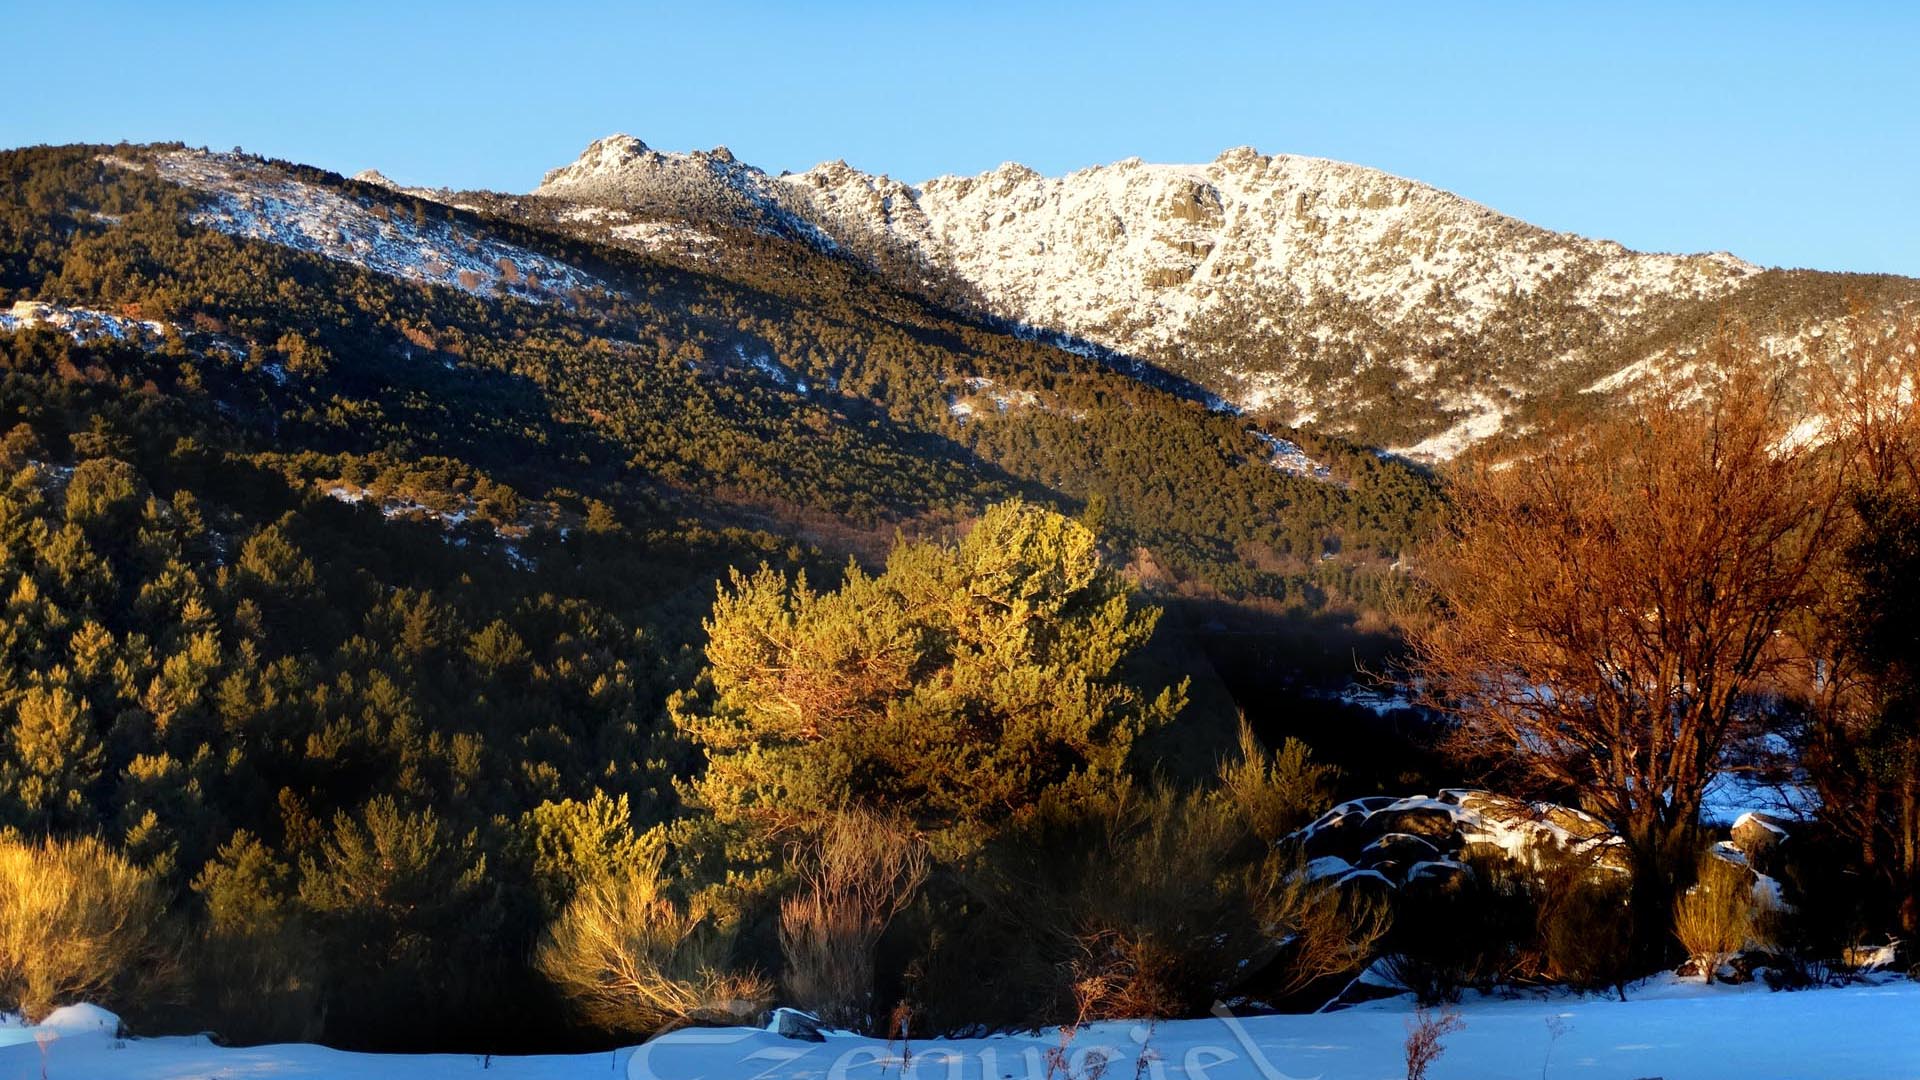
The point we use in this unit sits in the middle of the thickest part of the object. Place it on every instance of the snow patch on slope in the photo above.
(1484, 422)
(255, 201)
(978, 392)
(770, 369)
(82, 324)
(88, 325)
(1286, 456)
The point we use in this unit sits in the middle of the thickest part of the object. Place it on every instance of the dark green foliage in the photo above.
(1453, 932)
(1874, 766)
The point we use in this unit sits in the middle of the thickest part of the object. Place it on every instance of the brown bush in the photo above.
(1425, 1032)
(1719, 916)
(855, 877)
(1586, 927)
(78, 922)
(632, 959)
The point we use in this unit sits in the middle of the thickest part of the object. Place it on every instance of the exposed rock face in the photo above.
(1376, 841)
(379, 179)
(1314, 267)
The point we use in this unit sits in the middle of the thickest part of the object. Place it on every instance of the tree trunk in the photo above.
(1662, 853)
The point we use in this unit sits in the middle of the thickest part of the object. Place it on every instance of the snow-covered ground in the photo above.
(1286, 455)
(1729, 796)
(1483, 422)
(1671, 1028)
(255, 201)
(81, 324)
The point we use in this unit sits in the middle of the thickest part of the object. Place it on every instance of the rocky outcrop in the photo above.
(1376, 843)
(702, 186)
(1758, 843)
(797, 1025)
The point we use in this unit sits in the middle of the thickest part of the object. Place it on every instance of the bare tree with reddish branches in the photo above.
(1610, 605)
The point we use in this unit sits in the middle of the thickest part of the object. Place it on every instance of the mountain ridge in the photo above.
(1313, 290)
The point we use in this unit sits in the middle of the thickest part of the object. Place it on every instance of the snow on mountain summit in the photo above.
(1278, 282)
(601, 159)
(1309, 263)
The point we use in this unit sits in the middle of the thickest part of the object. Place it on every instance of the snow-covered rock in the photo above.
(1311, 290)
(1756, 835)
(81, 324)
(1286, 456)
(794, 1024)
(81, 1019)
(622, 173)
(1408, 839)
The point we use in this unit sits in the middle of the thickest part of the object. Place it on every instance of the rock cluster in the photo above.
(1385, 842)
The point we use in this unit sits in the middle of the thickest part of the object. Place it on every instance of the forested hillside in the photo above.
(355, 543)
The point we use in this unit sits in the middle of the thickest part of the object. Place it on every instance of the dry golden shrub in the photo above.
(78, 922)
(633, 959)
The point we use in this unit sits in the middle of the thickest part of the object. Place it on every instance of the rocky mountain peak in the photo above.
(698, 186)
(602, 158)
(1241, 158)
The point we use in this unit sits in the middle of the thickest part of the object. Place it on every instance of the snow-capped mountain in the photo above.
(1245, 271)
(1305, 292)
(1322, 291)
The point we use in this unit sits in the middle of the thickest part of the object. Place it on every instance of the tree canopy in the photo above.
(958, 686)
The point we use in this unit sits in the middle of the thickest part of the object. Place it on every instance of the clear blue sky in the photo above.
(1789, 134)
